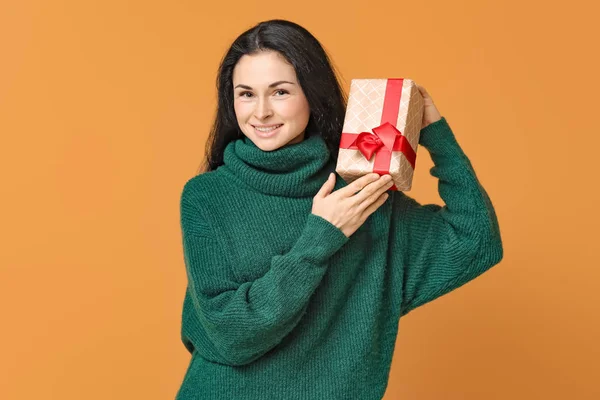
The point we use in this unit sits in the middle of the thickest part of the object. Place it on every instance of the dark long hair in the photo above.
(315, 74)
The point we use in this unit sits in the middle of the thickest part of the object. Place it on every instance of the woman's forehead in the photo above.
(262, 70)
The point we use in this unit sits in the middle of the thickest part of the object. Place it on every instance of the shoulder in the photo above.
(199, 196)
(200, 189)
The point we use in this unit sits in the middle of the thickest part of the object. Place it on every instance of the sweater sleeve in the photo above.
(446, 247)
(243, 321)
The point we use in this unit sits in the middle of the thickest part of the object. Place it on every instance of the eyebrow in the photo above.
(271, 85)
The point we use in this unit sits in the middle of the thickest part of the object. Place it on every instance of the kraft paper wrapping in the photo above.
(364, 112)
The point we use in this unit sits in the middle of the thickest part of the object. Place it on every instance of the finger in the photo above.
(327, 186)
(374, 206)
(358, 184)
(372, 199)
(373, 191)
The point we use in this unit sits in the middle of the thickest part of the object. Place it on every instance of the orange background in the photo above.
(105, 107)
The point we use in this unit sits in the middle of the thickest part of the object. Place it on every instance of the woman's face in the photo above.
(267, 95)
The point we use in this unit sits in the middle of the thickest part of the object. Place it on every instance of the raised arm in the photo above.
(445, 247)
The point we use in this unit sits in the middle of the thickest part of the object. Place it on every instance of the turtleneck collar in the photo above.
(294, 170)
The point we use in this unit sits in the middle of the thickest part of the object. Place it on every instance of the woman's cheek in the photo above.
(288, 109)
(240, 109)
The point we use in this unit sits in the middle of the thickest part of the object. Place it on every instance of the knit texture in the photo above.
(280, 304)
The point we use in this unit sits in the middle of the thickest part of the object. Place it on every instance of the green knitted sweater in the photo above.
(281, 305)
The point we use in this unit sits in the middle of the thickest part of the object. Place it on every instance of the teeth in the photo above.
(266, 129)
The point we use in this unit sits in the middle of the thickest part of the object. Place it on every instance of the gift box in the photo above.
(381, 130)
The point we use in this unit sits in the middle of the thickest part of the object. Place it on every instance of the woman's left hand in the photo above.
(430, 112)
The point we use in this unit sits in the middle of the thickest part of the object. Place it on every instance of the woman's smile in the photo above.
(266, 132)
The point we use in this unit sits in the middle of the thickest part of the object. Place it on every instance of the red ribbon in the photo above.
(385, 137)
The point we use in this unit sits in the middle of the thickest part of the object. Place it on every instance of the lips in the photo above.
(267, 131)
(266, 126)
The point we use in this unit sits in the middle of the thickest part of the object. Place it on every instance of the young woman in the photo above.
(297, 280)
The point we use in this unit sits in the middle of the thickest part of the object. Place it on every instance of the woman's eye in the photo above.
(249, 94)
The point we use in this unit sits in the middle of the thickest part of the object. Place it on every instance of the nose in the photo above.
(263, 109)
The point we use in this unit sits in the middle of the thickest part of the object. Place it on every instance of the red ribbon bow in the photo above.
(385, 135)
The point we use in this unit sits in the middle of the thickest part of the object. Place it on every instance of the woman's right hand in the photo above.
(347, 209)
